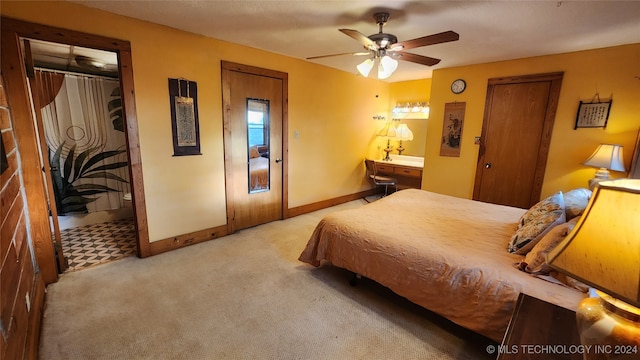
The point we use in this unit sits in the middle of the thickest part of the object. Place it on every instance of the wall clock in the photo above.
(458, 86)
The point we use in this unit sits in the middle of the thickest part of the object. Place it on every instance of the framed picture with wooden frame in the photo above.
(593, 114)
(185, 128)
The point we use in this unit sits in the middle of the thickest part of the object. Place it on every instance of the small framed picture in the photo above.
(593, 114)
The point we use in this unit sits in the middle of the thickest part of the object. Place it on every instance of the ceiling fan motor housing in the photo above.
(383, 40)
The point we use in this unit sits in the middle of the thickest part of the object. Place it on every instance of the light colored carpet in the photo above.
(243, 296)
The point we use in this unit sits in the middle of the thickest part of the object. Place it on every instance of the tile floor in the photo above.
(90, 245)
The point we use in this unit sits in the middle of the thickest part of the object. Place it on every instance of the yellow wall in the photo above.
(612, 72)
(332, 111)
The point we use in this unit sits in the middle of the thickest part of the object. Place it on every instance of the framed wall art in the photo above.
(183, 97)
(452, 129)
(593, 114)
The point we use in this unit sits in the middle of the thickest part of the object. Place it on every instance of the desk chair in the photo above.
(379, 180)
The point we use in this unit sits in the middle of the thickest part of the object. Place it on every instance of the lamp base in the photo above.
(388, 149)
(609, 329)
(601, 175)
(387, 157)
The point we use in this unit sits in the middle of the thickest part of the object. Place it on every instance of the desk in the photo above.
(406, 169)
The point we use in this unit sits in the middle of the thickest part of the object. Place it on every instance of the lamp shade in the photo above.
(388, 131)
(387, 66)
(603, 250)
(404, 133)
(365, 67)
(607, 156)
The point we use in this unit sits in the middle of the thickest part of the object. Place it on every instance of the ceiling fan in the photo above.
(386, 49)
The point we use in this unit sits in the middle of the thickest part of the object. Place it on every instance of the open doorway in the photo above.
(26, 134)
(81, 127)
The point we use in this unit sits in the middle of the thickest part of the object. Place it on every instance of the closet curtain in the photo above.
(83, 127)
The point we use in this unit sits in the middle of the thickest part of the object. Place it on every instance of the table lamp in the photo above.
(388, 131)
(603, 251)
(606, 157)
(403, 133)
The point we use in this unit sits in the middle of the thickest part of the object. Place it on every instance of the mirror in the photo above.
(258, 145)
(415, 147)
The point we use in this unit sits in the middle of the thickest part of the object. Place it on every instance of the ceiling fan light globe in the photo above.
(387, 66)
(365, 67)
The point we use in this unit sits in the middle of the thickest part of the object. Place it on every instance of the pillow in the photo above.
(536, 222)
(575, 201)
(536, 260)
(253, 152)
(553, 202)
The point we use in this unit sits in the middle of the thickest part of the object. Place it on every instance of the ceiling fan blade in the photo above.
(361, 38)
(424, 60)
(341, 54)
(428, 40)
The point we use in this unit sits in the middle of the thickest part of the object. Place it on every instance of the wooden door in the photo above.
(516, 133)
(253, 137)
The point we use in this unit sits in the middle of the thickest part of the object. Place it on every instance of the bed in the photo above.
(444, 253)
(258, 170)
(259, 173)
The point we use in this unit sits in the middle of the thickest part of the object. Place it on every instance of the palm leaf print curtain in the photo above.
(83, 127)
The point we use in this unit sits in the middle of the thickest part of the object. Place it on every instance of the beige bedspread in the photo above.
(444, 253)
(259, 173)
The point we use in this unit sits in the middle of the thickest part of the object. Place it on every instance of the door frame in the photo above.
(15, 78)
(545, 141)
(227, 67)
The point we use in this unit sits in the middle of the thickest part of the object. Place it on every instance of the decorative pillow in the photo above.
(253, 152)
(553, 202)
(536, 222)
(536, 260)
(575, 201)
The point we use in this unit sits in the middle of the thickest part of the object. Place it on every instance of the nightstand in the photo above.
(539, 330)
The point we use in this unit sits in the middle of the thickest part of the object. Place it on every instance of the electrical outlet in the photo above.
(26, 299)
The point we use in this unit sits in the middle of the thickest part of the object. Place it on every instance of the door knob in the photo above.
(278, 160)
(487, 165)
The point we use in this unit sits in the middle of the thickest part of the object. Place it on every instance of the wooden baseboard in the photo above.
(35, 318)
(180, 241)
(327, 203)
(176, 242)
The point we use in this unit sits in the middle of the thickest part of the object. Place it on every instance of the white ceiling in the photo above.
(489, 30)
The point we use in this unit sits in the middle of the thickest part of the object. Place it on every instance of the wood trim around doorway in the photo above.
(17, 94)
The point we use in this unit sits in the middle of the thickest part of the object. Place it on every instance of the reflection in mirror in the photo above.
(258, 144)
(417, 146)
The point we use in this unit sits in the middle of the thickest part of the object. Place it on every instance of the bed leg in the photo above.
(354, 279)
